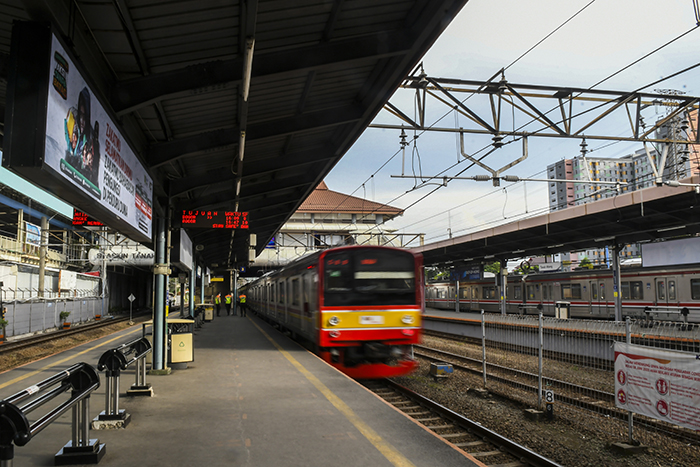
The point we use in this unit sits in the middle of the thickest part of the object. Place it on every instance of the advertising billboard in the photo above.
(63, 138)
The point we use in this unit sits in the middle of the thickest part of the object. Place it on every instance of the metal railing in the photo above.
(113, 362)
(16, 430)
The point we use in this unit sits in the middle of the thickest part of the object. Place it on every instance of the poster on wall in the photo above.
(32, 234)
(83, 145)
(60, 135)
(660, 384)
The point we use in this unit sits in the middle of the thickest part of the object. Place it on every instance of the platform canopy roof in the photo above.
(175, 74)
(652, 214)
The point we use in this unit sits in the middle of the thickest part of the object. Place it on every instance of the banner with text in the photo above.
(85, 147)
(661, 384)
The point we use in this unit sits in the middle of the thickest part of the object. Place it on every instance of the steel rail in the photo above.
(507, 445)
(45, 337)
(595, 407)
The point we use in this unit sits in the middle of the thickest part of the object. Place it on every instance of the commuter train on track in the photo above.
(670, 293)
(360, 307)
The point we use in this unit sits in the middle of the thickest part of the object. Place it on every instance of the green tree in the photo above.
(494, 267)
(585, 263)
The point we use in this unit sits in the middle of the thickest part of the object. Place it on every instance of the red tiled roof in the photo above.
(323, 200)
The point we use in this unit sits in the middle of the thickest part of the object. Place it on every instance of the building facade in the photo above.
(326, 219)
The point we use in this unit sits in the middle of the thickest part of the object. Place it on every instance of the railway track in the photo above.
(27, 342)
(600, 402)
(483, 444)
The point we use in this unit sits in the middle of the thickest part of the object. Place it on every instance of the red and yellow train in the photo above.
(359, 306)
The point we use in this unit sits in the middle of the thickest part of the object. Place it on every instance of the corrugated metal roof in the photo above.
(172, 71)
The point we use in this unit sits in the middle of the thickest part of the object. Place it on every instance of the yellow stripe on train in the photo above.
(354, 319)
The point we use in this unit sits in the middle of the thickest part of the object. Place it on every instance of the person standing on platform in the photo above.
(227, 300)
(242, 303)
(217, 302)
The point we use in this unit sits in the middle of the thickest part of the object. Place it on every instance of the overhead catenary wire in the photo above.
(416, 186)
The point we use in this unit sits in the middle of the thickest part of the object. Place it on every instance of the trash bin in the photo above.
(208, 312)
(181, 332)
(562, 310)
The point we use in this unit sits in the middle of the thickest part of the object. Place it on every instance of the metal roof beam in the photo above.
(163, 153)
(130, 95)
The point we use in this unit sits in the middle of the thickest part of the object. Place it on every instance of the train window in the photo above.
(295, 292)
(661, 290)
(369, 277)
(488, 292)
(517, 292)
(465, 293)
(570, 291)
(475, 293)
(637, 290)
(695, 289)
(632, 290)
(672, 290)
(531, 292)
(545, 295)
(281, 286)
(594, 291)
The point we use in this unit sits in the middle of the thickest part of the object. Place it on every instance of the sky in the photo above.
(486, 36)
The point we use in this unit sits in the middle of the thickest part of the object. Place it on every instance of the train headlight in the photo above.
(407, 332)
(334, 321)
(334, 334)
(407, 319)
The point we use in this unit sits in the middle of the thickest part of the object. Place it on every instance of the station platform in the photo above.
(252, 397)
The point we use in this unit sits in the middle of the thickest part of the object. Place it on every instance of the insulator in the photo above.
(482, 178)
(511, 178)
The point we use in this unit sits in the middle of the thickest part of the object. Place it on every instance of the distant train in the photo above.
(359, 306)
(670, 293)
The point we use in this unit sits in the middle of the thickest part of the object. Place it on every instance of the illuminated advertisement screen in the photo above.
(213, 219)
(78, 153)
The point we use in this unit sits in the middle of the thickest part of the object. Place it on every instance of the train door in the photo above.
(548, 299)
(451, 297)
(598, 306)
(666, 291)
(309, 305)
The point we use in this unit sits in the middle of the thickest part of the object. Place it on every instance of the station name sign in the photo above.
(213, 219)
(61, 135)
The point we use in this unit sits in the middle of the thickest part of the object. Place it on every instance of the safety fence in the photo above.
(38, 314)
(573, 361)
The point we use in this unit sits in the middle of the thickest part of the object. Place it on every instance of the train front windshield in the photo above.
(370, 277)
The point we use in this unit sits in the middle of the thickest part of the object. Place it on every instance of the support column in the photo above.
(457, 296)
(43, 242)
(504, 284)
(617, 286)
(159, 309)
(193, 285)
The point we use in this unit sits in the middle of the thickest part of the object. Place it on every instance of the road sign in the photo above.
(132, 298)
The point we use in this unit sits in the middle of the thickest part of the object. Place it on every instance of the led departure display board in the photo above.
(80, 219)
(214, 219)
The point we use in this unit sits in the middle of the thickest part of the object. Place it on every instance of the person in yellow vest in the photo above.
(227, 301)
(217, 302)
(242, 303)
